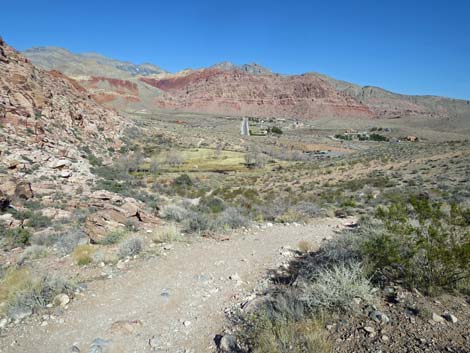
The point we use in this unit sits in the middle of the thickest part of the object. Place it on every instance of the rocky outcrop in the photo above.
(50, 131)
(114, 213)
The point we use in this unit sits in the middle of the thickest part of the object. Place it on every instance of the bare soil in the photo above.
(176, 301)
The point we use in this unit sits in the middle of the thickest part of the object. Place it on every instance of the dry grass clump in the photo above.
(335, 289)
(130, 247)
(167, 234)
(266, 335)
(83, 254)
(305, 246)
(21, 291)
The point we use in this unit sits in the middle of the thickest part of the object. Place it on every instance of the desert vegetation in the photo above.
(411, 201)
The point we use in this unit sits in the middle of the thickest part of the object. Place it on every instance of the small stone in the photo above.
(330, 327)
(357, 301)
(121, 265)
(44, 323)
(74, 349)
(385, 338)
(99, 345)
(379, 316)
(168, 247)
(186, 323)
(61, 300)
(153, 343)
(227, 343)
(437, 318)
(369, 330)
(449, 317)
(3, 323)
(234, 277)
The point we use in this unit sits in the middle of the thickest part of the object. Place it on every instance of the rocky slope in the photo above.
(236, 92)
(230, 89)
(51, 133)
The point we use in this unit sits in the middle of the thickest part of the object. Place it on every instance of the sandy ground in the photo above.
(176, 301)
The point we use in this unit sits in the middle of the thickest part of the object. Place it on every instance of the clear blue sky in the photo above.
(413, 47)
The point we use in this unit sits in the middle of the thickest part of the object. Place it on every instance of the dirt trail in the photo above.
(178, 299)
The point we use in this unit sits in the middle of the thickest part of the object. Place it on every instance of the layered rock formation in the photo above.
(230, 89)
(236, 92)
(50, 132)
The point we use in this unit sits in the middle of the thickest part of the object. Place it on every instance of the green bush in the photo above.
(421, 244)
(16, 237)
(113, 237)
(276, 130)
(213, 204)
(183, 180)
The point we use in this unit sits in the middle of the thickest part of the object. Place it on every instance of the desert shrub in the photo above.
(262, 334)
(289, 216)
(174, 213)
(305, 246)
(275, 130)
(68, 241)
(166, 234)
(113, 237)
(173, 159)
(309, 209)
(344, 137)
(130, 247)
(195, 222)
(420, 244)
(16, 237)
(213, 204)
(255, 159)
(335, 288)
(22, 291)
(34, 219)
(271, 211)
(33, 252)
(230, 218)
(377, 137)
(83, 254)
(183, 181)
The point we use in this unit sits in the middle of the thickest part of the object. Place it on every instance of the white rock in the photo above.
(449, 317)
(234, 277)
(3, 323)
(437, 318)
(61, 299)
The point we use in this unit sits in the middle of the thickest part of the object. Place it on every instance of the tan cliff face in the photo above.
(51, 130)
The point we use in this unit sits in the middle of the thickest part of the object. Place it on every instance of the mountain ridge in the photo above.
(223, 89)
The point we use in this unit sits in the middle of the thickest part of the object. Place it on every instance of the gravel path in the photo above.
(176, 301)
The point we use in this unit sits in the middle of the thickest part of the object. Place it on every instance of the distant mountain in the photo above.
(228, 88)
(252, 69)
(87, 64)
